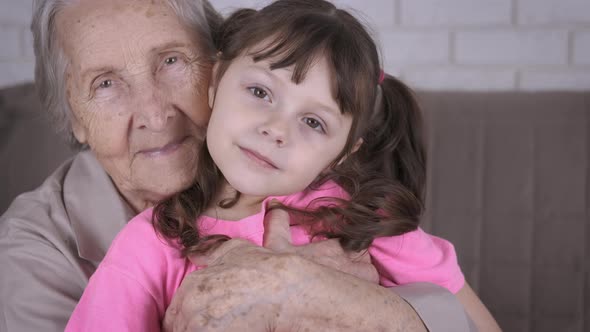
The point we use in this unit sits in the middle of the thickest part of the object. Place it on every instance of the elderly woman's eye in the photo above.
(171, 60)
(105, 84)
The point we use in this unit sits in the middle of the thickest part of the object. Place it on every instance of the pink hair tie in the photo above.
(381, 76)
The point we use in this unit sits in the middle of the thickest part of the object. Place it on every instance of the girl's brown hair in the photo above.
(385, 177)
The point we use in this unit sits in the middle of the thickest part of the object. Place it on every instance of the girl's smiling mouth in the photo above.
(258, 158)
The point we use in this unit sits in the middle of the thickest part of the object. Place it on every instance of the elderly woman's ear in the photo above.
(78, 130)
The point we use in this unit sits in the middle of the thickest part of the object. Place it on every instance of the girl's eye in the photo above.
(258, 92)
(171, 60)
(105, 84)
(313, 124)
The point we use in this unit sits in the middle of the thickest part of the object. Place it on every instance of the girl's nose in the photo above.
(279, 140)
(276, 129)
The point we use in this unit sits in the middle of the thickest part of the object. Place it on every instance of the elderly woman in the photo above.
(126, 81)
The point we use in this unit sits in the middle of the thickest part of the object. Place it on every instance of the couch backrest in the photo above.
(509, 185)
(29, 148)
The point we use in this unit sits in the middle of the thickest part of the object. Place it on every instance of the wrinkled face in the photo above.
(137, 86)
(270, 136)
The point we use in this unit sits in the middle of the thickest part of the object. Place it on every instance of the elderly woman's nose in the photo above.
(154, 111)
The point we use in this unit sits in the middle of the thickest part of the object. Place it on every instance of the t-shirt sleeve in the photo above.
(417, 257)
(133, 285)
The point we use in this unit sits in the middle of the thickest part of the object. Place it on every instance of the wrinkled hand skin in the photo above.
(250, 288)
(277, 236)
(243, 289)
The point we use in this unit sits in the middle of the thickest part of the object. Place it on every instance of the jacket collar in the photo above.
(95, 209)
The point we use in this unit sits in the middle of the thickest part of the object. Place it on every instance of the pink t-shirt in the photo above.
(140, 273)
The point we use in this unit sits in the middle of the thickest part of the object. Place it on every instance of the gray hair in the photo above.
(51, 62)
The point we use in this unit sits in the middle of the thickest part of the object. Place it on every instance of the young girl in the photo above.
(301, 113)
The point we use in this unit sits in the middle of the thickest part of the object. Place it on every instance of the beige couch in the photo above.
(509, 184)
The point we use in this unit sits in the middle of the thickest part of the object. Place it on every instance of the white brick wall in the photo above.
(581, 50)
(453, 78)
(11, 43)
(428, 13)
(15, 11)
(432, 44)
(511, 47)
(555, 79)
(414, 47)
(550, 12)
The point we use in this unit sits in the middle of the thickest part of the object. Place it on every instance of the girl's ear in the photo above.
(354, 149)
(212, 85)
(357, 145)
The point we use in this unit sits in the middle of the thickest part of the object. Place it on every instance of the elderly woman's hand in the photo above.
(284, 288)
(242, 282)
(329, 253)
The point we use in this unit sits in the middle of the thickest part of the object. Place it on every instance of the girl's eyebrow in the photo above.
(330, 111)
(263, 70)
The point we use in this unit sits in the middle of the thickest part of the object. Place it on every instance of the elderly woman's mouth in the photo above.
(164, 150)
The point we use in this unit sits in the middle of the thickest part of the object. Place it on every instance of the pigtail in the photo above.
(394, 144)
(385, 177)
(377, 207)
